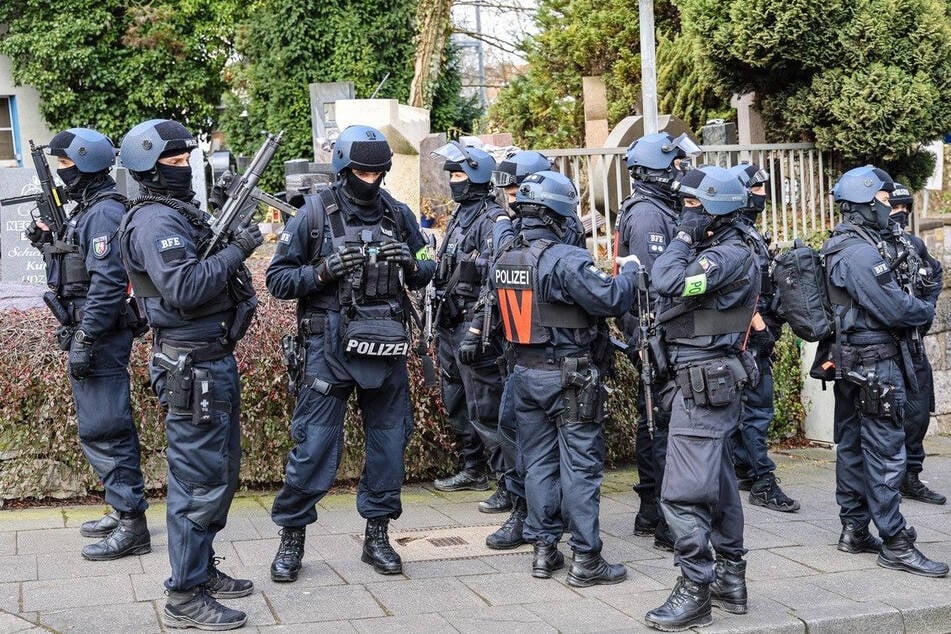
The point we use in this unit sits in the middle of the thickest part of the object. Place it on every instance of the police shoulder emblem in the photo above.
(169, 243)
(100, 246)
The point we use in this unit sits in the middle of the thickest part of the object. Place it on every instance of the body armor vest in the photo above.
(142, 285)
(457, 272)
(526, 319)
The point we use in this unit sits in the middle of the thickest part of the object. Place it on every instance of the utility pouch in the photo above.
(658, 352)
(64, 337)
(690, 381)
(178, 381)
(203, 401)
(294, 359)
(373, 331)
(132, 318)
(721, 384)
(382, 279)
(243, 316)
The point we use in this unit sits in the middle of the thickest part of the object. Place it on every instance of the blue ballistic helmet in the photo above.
(476, 163)
(548, 189)
(860, 184)
(750, 174)
(719, 191)
(363, 148)
(149, 141)
(91, 151)
(901, 195)
(658, 151)
(517, 165)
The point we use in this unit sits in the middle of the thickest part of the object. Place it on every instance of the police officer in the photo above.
(346, 258)
(645, 226)
(198, 309)
(471, 392)
(874, 317)
(924, 274)
(549, 295)
(708, 277)
(84, 271)
(754, 468)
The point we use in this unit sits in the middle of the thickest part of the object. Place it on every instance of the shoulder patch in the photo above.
(100, 246)
(882, 272)
(285, 237)
(706, 264)
(169, 243)
(591, 268)
(656, 238)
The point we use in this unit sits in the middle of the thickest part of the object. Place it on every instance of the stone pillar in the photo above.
(749, 123)
(595, 97)
(405, 128)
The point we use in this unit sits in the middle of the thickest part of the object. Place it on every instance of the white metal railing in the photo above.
(799, 204)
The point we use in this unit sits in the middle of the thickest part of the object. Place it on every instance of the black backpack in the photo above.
(804, 299)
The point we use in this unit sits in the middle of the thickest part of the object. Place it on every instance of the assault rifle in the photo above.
(50, 201)
(429, 298)
(242, 196)
(643, 347)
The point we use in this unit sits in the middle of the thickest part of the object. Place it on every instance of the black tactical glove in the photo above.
(398, 252)
(470, 350)
(694, 224)
(80, 356)
(763, 342)
(248, 239)
(338, 263)
(37, 235)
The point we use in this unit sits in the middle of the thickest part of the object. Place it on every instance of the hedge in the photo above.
(39, 447)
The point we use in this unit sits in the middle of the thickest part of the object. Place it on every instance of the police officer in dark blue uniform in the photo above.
(198, 309)
(471, 392)
(84, 271)
(874, 317)
(645, 226)
(924, 274)
(347, 258)
(511, 172)
(549, 295)
(709, 278)
(754, 468)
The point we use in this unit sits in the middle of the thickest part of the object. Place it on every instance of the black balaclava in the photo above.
(364, 194)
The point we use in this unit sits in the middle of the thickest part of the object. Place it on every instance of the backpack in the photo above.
(804, 299)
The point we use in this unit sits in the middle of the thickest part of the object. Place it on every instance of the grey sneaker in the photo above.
(196, 608)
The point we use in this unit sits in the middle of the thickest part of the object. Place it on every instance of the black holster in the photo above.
(581, 391)
(179, 378)
(295, 355)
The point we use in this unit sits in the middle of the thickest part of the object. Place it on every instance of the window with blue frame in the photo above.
(8, 149)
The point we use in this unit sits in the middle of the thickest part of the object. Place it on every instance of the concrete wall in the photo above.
(32, 125)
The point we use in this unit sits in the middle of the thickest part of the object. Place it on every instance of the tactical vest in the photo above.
(526, 319)
(66, 268)
(142, 284)
(457, 273)
(376, 281)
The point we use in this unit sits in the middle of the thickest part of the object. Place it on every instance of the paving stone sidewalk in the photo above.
(798, 581)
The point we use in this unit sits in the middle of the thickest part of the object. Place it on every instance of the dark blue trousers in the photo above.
(750, 454)
(203, 465)
(564, 464)
(918, 408)
(317, 431)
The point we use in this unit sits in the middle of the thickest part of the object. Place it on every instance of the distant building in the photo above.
(20, 119)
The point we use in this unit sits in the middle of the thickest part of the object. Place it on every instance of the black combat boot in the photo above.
(510, 534)
(100, 527)
(645, 522)
(899, 553)
(547, 560)
(588, 569)
(465, 480)
(663, 538)
(286, 562)
(131, 537)
(728, 591)
(499, 502)
(196, 608)
(913, 488)
(857, 539)
(377, 550)
(765, 492)
(222, 586)
(687, 606)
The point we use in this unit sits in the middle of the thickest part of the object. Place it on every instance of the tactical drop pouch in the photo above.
(178, 381)
(373, 331)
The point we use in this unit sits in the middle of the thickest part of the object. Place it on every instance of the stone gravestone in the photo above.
(21, 263)
(323, 115)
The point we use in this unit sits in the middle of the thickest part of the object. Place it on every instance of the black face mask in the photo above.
(363, 193)
(177, 180)
(758, 202)
(880, 213)
(460, 190)
(71, 177)
(901, 217)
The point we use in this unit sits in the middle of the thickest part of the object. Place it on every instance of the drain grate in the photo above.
(455, 542)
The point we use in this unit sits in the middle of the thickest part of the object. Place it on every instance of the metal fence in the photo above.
(801, 179)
